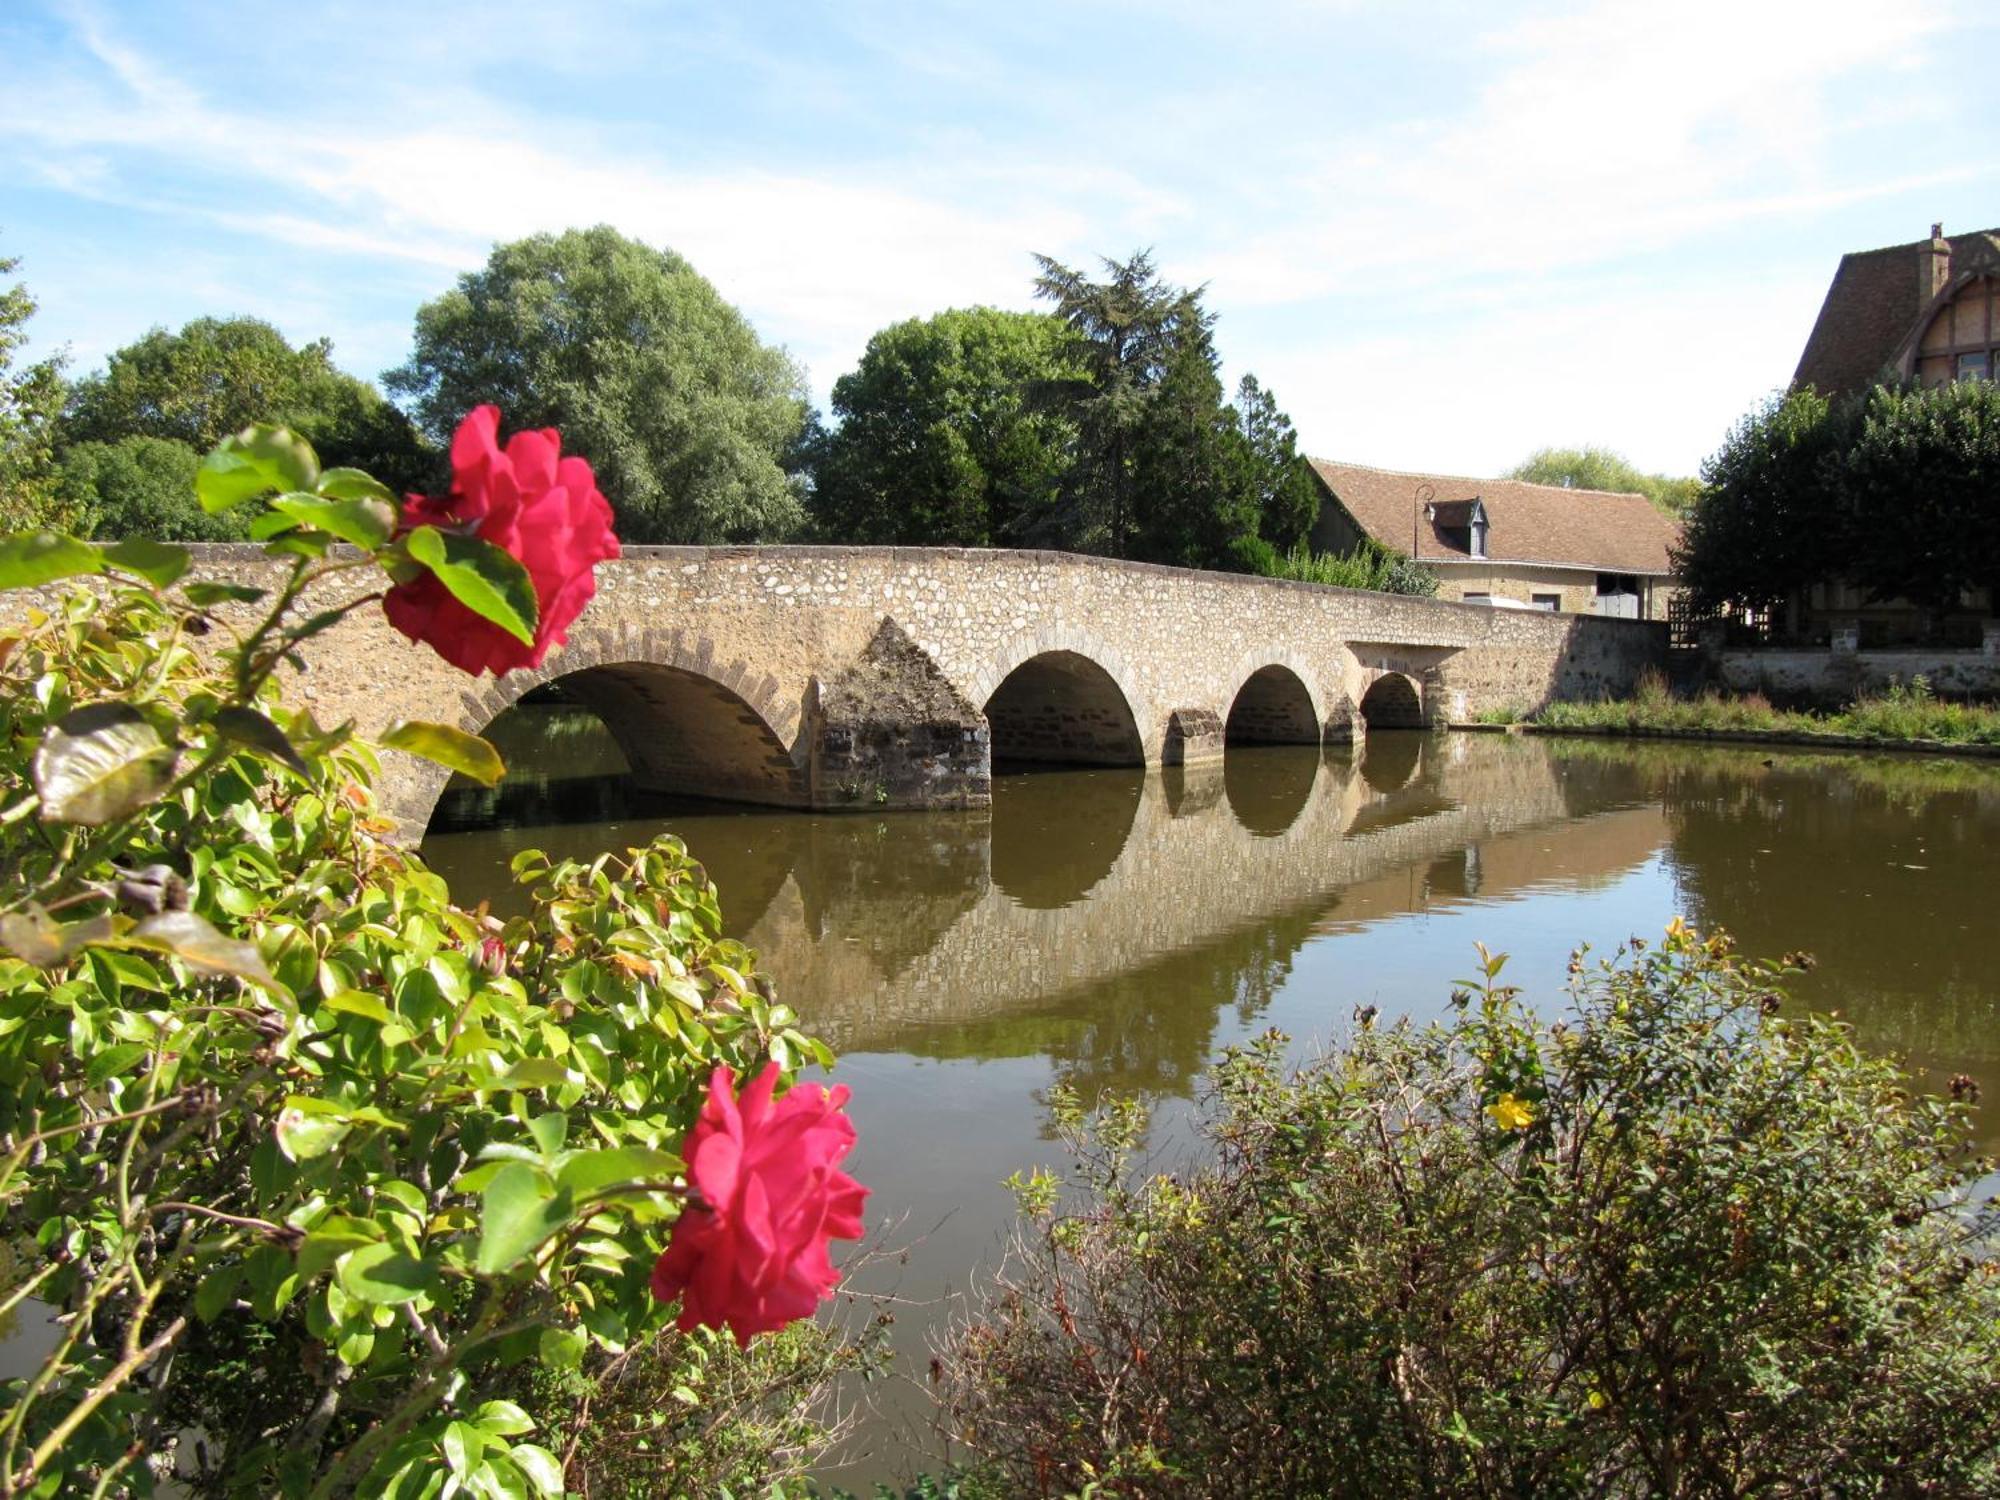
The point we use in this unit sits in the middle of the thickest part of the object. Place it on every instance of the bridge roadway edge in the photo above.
(862, 676)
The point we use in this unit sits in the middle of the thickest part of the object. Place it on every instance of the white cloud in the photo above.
(1595, 136)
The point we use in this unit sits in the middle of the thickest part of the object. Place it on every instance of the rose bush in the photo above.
(750, 1254)
(312, 1176)
(533, 503)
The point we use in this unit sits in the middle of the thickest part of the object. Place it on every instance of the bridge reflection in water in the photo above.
(948, 934)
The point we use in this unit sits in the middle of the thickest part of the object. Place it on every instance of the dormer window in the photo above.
(1459, 524)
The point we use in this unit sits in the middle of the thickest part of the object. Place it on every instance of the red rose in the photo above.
(527, 500)
(750, 1253)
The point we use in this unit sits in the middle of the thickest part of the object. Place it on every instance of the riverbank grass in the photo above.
(1907, 711)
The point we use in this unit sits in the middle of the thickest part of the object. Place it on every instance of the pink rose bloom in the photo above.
(750, 1254)
(526, 499)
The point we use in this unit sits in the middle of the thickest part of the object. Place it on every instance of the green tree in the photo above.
(139, 487)
(1601, 469)
(1287, 495)
(1768, 522)
(30, 400)
(219, 375)
(686, 416)
(1164, 469)
(1123, 334)
(1922, 494)
(938, 444)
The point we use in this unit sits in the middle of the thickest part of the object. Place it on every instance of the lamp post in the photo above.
(1425, 494)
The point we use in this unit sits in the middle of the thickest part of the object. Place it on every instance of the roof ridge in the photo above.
(1533, 484)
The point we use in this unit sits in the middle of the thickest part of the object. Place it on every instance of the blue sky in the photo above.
(1443, 233)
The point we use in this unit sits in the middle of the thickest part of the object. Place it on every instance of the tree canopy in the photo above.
(1921, 482)
(140, 487)
(1767, 521)
(1592, 468)
(938, 443)
(1164, 470)
(30, 401)
(218, 375)
(1897, 492)
(687, 418)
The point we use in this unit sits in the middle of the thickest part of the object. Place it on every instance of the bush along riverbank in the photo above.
(1672, 1244)
(1908, 715)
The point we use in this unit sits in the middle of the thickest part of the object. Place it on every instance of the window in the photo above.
(1476, 598)
(1975, 366)
(1550, 602)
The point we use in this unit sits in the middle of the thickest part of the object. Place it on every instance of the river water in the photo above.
(1115, 929)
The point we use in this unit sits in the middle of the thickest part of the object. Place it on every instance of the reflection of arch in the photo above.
(1054, 837)
(1269, 787)
(1062, 708)
(1273, 707)
(1389, 759)
(1392, 701)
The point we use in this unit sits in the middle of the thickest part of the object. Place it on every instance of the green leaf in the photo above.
(100, 762)
(249, 728)
(366, 521)
(451, 748)
(462, 1446)
(216, 1292)
(549, 1131)
(30, 558)
(503, 1417)
(532, 1073)
(303, 1137)
(159, 563)
(44, 942)
(112, 1061)
(271, 523)
(587, 1172)
(353, 484)
(194, 941)
(359, 1003)
(563, 1348)
(384, 1275)
(485, 579)
(333, 1237)
(254, 462)
(204, 594)
(540, 1467)
(519, 1210)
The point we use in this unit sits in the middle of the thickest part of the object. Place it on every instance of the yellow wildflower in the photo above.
(1510, 1113)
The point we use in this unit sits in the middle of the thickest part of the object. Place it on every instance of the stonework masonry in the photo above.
(894, 677)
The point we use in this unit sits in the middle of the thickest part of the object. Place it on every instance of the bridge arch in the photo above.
(1062, 708)
(683, 723)
(1393, 701)
(1274, 703)
(1058, 697)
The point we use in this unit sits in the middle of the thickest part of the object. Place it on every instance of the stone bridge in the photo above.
(831, 677)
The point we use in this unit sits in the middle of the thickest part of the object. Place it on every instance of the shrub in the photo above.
(1670, 1245)
(1369, 566)
(316, 1167)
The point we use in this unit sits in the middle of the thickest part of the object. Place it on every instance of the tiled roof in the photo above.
(1526, 523)
(1874, 301)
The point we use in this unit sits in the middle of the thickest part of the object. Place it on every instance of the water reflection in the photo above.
(1105, 918)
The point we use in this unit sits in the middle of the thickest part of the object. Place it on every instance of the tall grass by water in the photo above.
(1906, 711)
